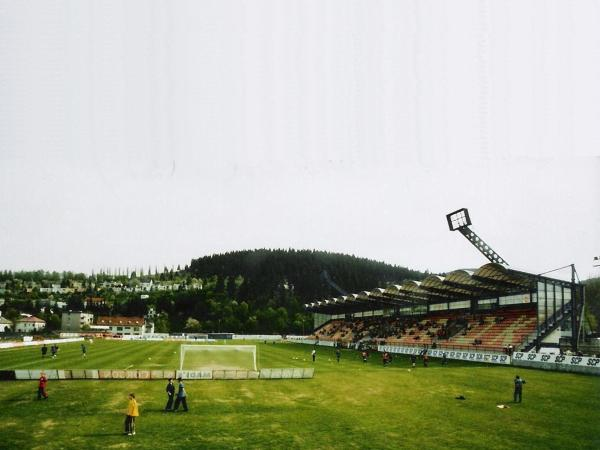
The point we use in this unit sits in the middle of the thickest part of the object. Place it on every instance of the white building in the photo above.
(5, 324)
(133, 326)
(29, 324)
(75, 320)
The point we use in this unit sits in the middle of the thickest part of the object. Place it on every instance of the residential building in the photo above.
(124, 325)
(75, 320)
(94, 302)
(5, 324)
(29, 324)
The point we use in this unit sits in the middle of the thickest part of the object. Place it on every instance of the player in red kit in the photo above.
(42, 386)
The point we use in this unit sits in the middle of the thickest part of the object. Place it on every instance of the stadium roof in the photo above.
(488, 281)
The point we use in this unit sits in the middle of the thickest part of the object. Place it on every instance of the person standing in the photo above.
(425, 360)
(338, 354)
(170, 394)
(53, 350)
(181, 396)
(444, 359)
(44, 350)
(43, 380)
(365, 356)
(413, 360)
(132, 413)
(519, 382)
(314, 355)
(83, 351)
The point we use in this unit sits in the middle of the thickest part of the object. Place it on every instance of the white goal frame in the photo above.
(219, 347)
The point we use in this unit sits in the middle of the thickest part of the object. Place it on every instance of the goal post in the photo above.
(215, 357)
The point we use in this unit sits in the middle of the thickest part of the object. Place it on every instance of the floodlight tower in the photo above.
(460, 220)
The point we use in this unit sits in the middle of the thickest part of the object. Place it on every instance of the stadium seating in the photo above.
(487, 330)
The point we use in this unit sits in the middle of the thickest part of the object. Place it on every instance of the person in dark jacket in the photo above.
(181, 396)
(170, 394)
(519, 382)
(44, 350)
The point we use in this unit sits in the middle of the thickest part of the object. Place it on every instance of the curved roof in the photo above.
(488, 281)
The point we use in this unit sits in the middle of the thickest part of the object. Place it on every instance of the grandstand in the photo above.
(492, 308)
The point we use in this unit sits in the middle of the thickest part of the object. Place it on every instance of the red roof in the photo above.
(120, 321)
(31, 319)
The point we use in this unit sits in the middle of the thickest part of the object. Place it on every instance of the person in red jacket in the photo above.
(42, 386)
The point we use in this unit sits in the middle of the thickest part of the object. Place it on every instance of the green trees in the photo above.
(252, 291)
(192, 325)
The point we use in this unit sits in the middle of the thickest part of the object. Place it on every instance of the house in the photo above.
(133, 326)
(75, 320)
(29, 324)
(5, 324)
(95, 302)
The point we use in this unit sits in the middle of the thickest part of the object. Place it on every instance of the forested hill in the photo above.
(307, 274)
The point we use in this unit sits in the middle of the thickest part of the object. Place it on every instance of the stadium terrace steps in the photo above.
(498, 331)
(494, 330)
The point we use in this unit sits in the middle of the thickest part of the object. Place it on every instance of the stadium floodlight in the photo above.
(217, 357)
(460, 220)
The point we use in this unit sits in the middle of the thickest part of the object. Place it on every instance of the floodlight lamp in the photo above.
(458, 219)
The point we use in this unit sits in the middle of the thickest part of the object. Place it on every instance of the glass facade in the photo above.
(438, 307)
(460, 305)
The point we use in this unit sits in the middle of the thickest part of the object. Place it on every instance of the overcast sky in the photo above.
(148, 133)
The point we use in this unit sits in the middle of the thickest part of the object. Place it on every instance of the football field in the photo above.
(350, 405)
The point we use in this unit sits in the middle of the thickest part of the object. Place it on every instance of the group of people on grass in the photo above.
(180, 399)
(174, 401)
(53, 350)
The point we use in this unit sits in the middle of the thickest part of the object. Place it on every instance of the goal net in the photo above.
(217, 357)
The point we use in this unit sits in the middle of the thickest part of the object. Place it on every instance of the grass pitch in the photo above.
(350, 405)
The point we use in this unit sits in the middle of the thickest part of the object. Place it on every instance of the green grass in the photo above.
(200, 357)
(349, 405)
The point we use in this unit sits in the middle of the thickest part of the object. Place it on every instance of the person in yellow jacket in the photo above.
(132, 413)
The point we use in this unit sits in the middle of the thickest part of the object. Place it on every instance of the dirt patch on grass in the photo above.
(45, 424)
(7, 424)
(247, 393)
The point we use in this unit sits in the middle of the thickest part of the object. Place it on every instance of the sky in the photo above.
(148, 133)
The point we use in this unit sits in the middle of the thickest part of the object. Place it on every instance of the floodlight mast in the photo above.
(459, 220)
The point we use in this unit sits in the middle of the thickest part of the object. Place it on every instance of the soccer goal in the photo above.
(217, 357)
